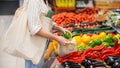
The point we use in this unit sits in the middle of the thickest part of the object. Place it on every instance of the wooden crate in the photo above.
(107, 4)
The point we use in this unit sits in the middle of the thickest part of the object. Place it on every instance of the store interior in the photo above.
(95, 28)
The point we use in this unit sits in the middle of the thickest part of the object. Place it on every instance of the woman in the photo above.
(37, 9)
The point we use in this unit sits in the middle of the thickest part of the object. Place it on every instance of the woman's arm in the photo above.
(46, 34)
(61, 29)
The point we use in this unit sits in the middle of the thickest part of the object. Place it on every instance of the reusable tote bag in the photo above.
(20, 43)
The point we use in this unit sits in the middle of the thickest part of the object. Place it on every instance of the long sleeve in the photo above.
(34, 22)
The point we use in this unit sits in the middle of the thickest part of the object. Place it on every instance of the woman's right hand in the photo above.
(63, 41)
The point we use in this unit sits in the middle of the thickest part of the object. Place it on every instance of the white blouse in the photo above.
(36, 9)
(28, 19)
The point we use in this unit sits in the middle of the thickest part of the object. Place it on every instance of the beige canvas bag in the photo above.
(18, 40)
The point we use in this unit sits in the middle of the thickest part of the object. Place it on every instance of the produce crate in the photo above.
(64, 4)
(107, 4)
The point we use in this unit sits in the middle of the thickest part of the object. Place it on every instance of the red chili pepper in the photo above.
(106, 55)
(75, 59)
(117, 51)
(86, 51)
(116, 45)
(61, 60)
(100, 47)
(74, 56)
(82, 58)
(95, 54)
(92, 54)
(89, 54)
(107, 50)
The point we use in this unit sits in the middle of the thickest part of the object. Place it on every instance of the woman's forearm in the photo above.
(57, 27)
(61, 40)
(46, 34)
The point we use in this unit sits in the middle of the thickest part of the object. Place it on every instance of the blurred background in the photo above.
(7, 10)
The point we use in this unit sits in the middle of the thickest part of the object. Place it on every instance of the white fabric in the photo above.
(28, 20)
(36, 8)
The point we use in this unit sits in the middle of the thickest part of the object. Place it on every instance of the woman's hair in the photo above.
(50, 2)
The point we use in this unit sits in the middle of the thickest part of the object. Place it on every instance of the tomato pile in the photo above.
(88, 10)
(74, 19)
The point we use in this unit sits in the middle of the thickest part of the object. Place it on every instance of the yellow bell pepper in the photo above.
(86, 39)
(77, 39)
(102, 35)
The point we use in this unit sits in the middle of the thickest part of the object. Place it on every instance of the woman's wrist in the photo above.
(57, 28)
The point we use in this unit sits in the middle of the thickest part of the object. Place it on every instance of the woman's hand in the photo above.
(63, 41)
(61, 29)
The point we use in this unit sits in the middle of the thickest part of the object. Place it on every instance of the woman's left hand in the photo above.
(61, 29)
(64, 30)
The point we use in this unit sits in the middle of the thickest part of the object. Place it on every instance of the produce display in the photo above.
(97, 42)
(98, 49)
(88, 10)
(113, 61)
(91, 63)
(115, 19)
(69, 64)
(99, 53)
(95, 30)
(80, 18)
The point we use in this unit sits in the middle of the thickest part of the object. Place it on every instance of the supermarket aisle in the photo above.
(7, 61)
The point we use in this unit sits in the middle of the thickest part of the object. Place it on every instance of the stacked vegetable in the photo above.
(88, 10)
(95, 30)
(98, 52)
(113, 61)
(84, 19)
(95, 46)
(107, 40)
(115, 19)
(98, 43)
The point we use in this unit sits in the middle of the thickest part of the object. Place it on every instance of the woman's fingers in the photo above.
(63, 41)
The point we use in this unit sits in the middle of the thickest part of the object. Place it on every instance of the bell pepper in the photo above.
(67, 35)
(111, 44)
(115, 38)
(106, 44)
(92, 43)
(108, 38)
(83, 48)
(98, 41)
(95, 42)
